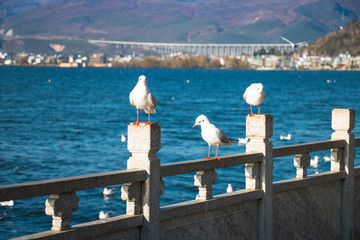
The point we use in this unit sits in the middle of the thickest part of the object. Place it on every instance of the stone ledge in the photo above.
(91, 229)
(218, 201)
(312, 180)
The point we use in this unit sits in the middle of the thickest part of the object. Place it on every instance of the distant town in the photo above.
(261, 60)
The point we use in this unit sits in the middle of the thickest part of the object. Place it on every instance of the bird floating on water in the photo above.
(254, 95)
(230, 188)
(314, 162)
(142, 98)
(287, 137)
(7, 203)
(103, 215)
(123, 138)
(213, 135)
(243, 141)
(109, 191)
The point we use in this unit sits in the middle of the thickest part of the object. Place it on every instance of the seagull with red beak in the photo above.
(213, 135)
(254, 95)
(142, 98)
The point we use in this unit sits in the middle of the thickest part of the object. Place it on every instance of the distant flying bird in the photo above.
(142, 98)
(254, 95)
(211, 134)
(103, 215)
(294, 45)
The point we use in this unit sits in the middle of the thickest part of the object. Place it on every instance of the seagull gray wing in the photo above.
(152, 100)
(221, 135)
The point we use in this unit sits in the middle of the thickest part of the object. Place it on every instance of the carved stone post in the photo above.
(301, 162)
(204, 180)
(60, 206)
(132, 193)
(143, 143)
(343, 121)
(259, 129)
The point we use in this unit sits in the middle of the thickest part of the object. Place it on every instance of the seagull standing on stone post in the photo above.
(213, 135)
(254, 95)
(142, 98)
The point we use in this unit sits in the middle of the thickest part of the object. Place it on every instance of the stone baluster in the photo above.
(131, 192)
(60, 206)
(301, 162)
(204, 180)
(343, 121)
(259, 129)
(143, 143)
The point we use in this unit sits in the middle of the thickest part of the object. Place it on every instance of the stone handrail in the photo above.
(177, 168)
(69, 184)
(303, 148)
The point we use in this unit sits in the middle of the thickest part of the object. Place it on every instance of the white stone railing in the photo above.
(143, 182)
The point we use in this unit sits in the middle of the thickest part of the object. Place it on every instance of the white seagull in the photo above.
(142, 98)
(7, 203)
(103, 215)
(123, 138)
(108, 191)
(314, 162)
(254, 95)
(213, 135)
(230, 188)
(287, 137)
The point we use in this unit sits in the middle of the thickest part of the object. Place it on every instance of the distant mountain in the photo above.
(207, 21)
(345, 40)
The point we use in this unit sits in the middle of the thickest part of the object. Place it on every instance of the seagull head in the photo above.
(142, 79)
(201, 120)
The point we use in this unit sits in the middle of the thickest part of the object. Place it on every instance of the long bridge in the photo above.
(206, 49)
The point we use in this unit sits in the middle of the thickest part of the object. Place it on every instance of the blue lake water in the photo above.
(57, 122)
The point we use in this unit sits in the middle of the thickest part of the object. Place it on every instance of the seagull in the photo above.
(254, 95)
(243, 141)
(230, 188)
(288, 137)
(142, 98)
(314, 162)
(7, 203)
(103, 215)
(213, 135)
(123, 138)
(294, 45)
(108, 191)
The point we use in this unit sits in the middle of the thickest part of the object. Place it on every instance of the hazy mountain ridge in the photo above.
(227, 21)
(345, 40)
